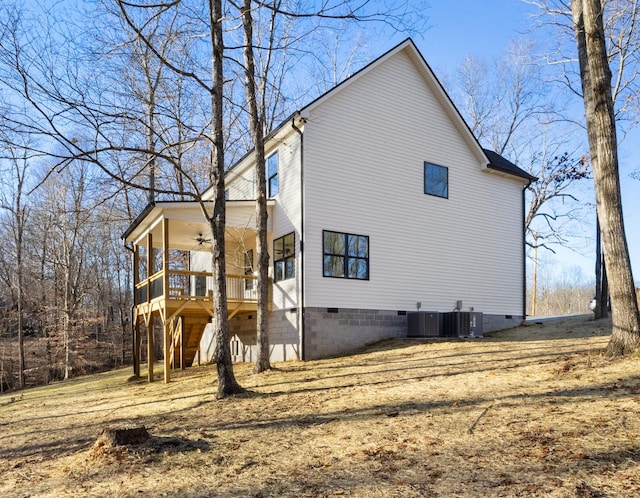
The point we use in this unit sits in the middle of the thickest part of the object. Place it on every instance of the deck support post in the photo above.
(167, 347)
(134, 318)
(181, 322)
(136, 347)
(151, 355)
(165, 292)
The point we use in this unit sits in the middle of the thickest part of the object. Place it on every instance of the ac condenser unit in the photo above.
(423, 324)
(462, 324)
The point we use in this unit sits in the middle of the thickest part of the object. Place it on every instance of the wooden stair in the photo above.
(193, 328)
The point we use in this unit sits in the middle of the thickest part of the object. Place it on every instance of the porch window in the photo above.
(201, 285)
(272, 174)
(248, 269)
(436, 180)
(345, 255)
(284, 257)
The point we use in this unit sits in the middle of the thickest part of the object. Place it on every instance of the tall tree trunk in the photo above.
(601, 129)
(604, 291)
(20, 222)
(257, 131)
(20, 303)
(598, 312)
(66, 337)
(227, 383)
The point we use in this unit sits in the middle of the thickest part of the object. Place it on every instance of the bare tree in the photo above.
(508, 109)
(504, 101)
(621, 25)
(595, 75)
(552, 203)
(212, 85)
(256, 125)
(227, 383)
(602, 289)
(12, 199)
(144, 97)
(68, 247)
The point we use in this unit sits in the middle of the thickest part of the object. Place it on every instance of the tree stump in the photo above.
(125, 437)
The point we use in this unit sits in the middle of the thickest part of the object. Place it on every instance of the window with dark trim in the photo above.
(284, 257)
(201, 285)
(272, 174)
(345, 255)
(436, 180)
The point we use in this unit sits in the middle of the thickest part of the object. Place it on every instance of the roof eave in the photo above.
(523, 175)
(134, 224)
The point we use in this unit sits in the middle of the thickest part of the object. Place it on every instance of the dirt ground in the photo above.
(533, 411)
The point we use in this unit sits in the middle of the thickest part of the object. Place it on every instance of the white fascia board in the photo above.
(147, 225)
(504, 174)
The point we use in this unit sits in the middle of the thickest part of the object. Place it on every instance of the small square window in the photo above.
(436, 180)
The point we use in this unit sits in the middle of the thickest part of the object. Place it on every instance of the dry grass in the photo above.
(535, 411)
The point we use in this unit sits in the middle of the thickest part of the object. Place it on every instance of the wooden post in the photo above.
(167, 346)
(151, 355)
(136, 347)
(136, 322)
(165, 294)
(182, 365)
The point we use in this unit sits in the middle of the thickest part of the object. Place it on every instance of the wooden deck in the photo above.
(184, 306)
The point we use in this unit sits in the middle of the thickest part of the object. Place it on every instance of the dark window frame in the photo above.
(200, 285)
(437, 188)
(346, 256)
(273, 184)
(284, 264)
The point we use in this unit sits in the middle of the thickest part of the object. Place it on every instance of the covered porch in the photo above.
(173, 283)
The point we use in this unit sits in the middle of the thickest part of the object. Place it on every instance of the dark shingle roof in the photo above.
(499, 163)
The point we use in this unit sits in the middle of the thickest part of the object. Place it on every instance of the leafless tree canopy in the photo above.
(110, 107)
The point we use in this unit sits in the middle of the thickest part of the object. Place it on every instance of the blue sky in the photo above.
(485, 30)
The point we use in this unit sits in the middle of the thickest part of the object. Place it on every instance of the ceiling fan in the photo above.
(201, 239)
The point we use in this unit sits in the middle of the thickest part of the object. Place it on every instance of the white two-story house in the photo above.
(382, 203)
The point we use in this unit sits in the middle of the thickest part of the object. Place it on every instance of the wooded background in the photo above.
(106, 106)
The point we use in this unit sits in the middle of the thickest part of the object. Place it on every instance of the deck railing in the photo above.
(195, 285)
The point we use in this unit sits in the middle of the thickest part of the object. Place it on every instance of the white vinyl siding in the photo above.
(241, 183)
(286, 214)
(365, 150)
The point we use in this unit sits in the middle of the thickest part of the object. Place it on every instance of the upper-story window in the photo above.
(272, 174)
(436, 180)
(284, 257)
(345, 255)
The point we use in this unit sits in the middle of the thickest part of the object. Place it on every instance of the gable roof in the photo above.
(494, 160)
(409, 48)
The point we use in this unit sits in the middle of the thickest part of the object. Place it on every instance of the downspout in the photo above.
(524, 253)
(302, 312)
